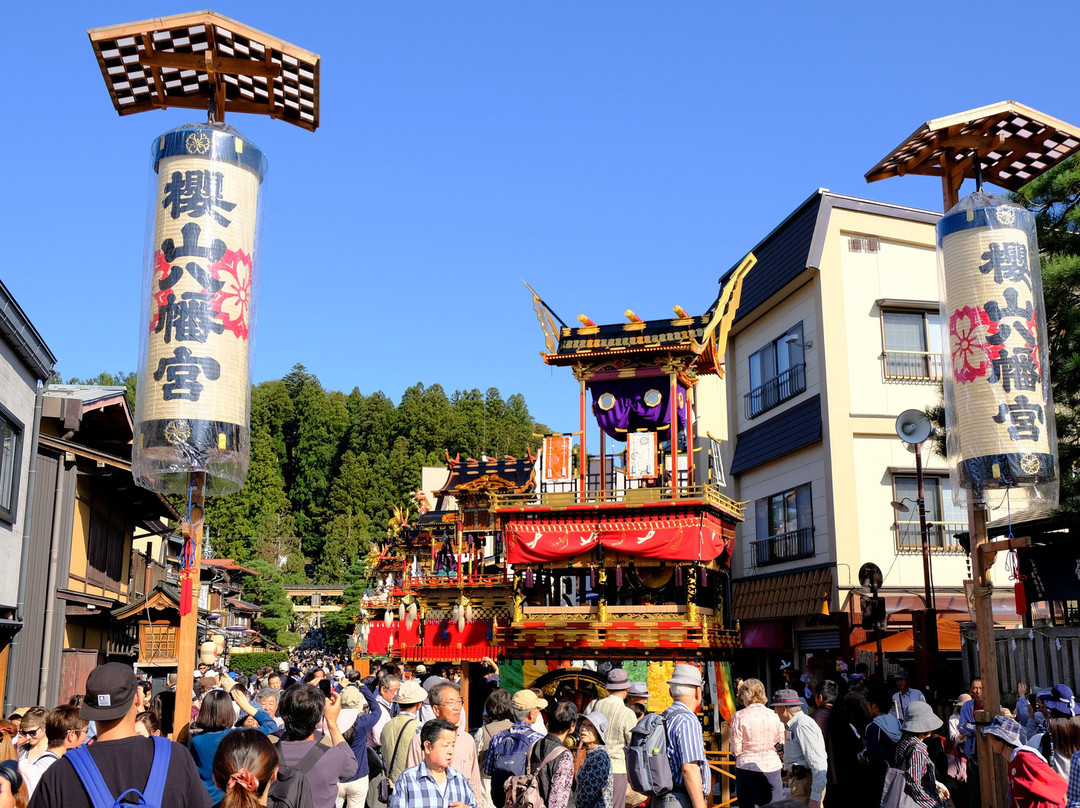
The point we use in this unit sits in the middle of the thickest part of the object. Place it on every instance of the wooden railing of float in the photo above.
(623, 496)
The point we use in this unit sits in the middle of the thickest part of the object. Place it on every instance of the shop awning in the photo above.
(799, 593)
(948, 639)
(698, 538)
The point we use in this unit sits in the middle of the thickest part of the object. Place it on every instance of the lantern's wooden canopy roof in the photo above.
(187, 60)
(1015, 144)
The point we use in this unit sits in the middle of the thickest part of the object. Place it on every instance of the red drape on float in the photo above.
(683, 539)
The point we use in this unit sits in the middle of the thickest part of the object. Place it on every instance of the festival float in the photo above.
(564, 564)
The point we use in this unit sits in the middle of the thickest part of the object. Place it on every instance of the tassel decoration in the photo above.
(678, 576)
(618, 577)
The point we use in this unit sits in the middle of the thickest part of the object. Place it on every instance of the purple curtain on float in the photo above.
(626, 405)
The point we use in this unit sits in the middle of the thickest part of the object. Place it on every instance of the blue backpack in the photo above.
(100, 796)
(515, 758)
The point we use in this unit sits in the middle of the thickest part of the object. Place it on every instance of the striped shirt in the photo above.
(417, 788)
(920, 779)
(755, 731)
(686, 745)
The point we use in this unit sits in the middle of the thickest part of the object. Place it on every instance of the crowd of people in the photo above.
(318, 735)
(856, 743)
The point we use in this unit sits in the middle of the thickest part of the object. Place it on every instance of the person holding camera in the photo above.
(804, 751)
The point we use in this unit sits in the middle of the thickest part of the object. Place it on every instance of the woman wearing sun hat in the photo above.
(594, 784)
(912, 757)
(1032, 783)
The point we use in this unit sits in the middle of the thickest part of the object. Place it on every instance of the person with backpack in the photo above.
(302, 706)
(120, 759)
(690, 776)
(620, 721)
(509, 751)
(550, 764)
(594, 786)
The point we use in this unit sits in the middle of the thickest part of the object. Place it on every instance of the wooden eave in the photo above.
(1015, 144)
(158, 600)
(187, 60)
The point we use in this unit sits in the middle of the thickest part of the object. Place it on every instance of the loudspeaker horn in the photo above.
(913, 426)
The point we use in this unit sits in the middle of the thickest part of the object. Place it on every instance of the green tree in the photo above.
(1054, 198)
(267, 590)
(339, 625)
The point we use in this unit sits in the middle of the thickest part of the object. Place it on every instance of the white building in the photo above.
(837, 333)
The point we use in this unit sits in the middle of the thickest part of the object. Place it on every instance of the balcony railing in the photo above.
(626, 496)
(784, 547)
(912, 366)
(775, 391)
(939, 534)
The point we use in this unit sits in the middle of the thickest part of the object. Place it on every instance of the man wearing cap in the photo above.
(690, 774)
(804, 751)
(399, 731)
(904, 696)
(287, 680)
(446, 704)
(621, 720)
(1032, 783)
(525, 706)
(121, 755)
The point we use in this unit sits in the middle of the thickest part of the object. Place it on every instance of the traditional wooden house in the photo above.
(87, 510)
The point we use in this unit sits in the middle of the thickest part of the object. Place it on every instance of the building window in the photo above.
(110, 534)
(912, 341)
(943, 519)
(777, 373)
(784, 524)
(10, 457)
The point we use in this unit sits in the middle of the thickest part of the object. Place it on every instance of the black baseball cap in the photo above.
(110, 690)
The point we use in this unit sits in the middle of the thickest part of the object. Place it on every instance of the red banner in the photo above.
(686, 539)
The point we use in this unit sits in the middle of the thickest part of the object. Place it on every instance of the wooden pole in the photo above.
(690, 482)
(991, 772)
(189, 623)
(584, 459)
(465, 694)
(673, 435)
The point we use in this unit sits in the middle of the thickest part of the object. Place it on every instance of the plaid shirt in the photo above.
(416, 788)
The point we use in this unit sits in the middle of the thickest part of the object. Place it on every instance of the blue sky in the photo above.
(614, 154)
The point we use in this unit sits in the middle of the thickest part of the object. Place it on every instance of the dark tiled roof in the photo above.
(790, 593)
(629, 337)
(792, 429)
(517, 472)
(781, 256)
(17, 329)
